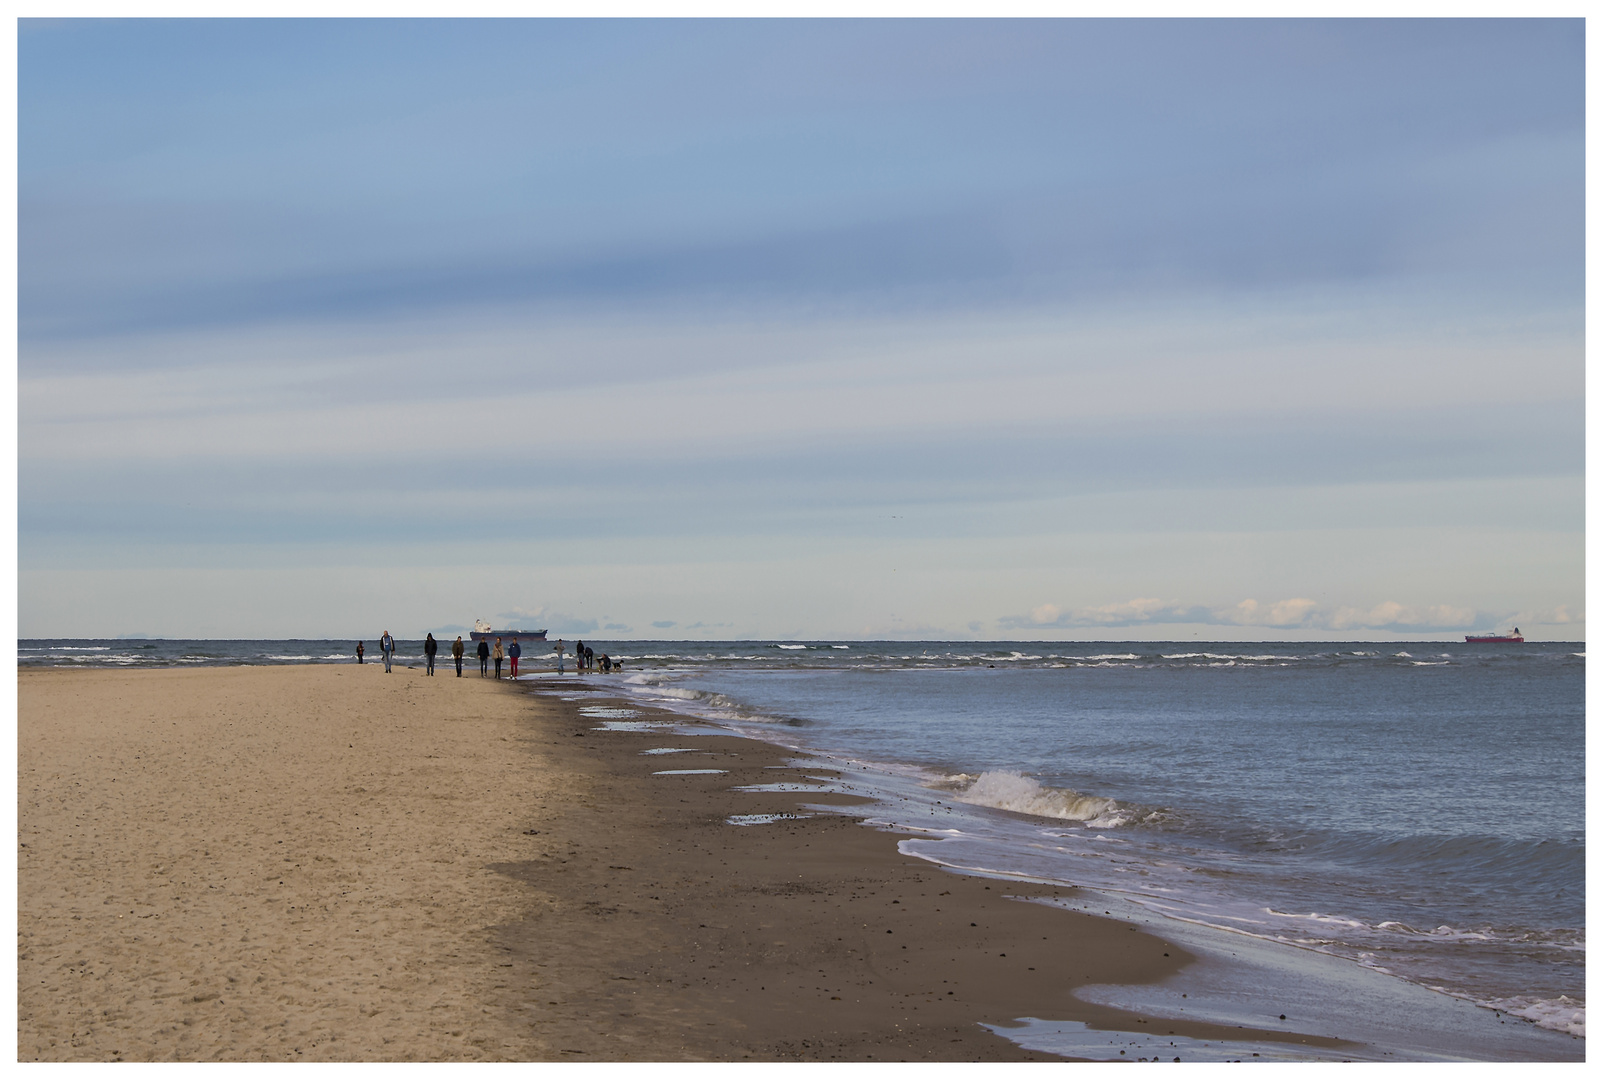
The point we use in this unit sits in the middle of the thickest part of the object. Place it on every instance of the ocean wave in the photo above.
(1022, 794)
(1557, 1014)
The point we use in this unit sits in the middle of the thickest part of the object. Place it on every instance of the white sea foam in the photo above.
(762, 819)
(782, 785)
(1559, 1014)
(1026, 795)
(790, 646)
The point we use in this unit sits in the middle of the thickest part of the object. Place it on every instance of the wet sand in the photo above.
(328, 863)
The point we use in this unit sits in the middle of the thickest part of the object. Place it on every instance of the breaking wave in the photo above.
(1022, 794)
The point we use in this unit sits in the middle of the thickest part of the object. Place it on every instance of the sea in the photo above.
(1416, 810)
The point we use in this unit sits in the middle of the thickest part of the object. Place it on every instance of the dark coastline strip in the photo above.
(671, 935)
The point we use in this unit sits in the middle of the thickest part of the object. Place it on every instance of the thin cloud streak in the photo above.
(1293, 613)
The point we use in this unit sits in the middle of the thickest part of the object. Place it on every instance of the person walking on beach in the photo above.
(497, 655)
(558, 649)
(360, 649)
(456, 654)
(430, 647)
(387, 643)
(484, 658)
(513, 652)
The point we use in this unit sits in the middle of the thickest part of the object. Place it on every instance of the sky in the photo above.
(878, 329)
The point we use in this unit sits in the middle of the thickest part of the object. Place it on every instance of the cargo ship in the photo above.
(481, 632)
(1496, 639)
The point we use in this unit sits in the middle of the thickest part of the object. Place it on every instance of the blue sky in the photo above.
(1040, 329)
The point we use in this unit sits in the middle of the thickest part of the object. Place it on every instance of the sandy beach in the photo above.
(331, 863)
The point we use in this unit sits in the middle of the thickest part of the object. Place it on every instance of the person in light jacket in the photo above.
(497, 655)
(387, 643)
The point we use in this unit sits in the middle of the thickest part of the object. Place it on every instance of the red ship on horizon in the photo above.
(1496, 639)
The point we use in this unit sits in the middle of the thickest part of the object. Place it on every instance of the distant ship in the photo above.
(481, 632)
(1496, 639)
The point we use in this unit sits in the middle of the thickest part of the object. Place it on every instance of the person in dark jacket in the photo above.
(514, 651)
(589, 658)
(430, 647)
(484, 658)
(360, 649)
(456, 654)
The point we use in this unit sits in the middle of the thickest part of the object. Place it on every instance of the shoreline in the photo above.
(489, 878)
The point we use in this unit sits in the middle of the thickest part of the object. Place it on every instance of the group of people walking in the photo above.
(584, 659)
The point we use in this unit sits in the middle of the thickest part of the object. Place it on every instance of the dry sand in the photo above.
(332, 863)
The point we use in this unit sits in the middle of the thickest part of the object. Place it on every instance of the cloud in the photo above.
(555, 622)
(663, 624)
(1556, 616)
(619, 627)
(1137, 612)
(1294, 613)
(1392, 615)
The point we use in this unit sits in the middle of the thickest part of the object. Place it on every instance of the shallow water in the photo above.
(1417, 809)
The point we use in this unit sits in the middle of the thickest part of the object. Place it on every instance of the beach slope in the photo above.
(333, 863)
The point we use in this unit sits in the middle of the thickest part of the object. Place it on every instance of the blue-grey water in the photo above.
(1416, 808)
